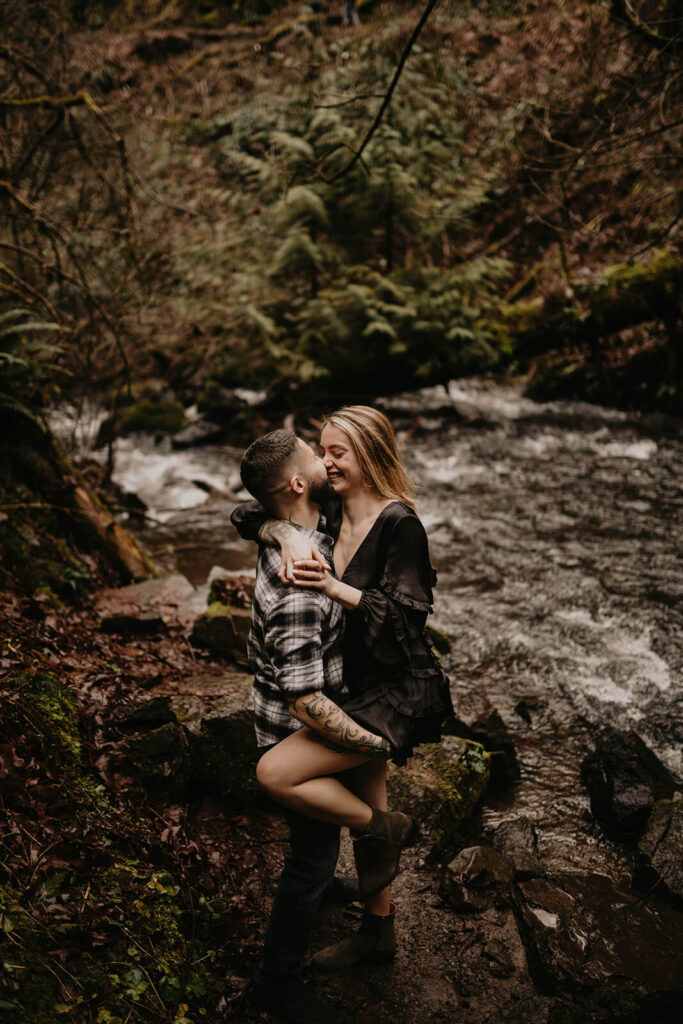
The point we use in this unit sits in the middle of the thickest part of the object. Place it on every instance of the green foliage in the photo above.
(147, 415)
(27, 364)
(364, 283)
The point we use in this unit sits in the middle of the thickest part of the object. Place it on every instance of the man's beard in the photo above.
(321, 491)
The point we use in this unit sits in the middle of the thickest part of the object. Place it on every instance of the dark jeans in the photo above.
(308, 870)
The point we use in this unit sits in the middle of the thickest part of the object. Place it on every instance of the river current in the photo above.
(557, 533)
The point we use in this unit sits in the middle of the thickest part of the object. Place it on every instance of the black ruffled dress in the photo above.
(396, 685)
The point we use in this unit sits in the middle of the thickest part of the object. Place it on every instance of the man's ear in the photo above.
(296, 484)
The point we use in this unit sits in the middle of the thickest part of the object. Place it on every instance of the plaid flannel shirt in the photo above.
(294, 644)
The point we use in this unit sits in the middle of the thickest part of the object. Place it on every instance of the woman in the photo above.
(396, 687)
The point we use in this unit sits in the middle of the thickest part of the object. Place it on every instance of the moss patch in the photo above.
(442, 786)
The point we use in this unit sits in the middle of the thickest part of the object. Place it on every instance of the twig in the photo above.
(390, 91)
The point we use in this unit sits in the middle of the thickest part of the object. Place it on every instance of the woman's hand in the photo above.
(293, 545)
(307, 572)
(295, 548)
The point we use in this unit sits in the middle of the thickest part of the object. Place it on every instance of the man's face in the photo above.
(314, 473)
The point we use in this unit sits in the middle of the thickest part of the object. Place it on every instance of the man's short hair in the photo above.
(264, 463)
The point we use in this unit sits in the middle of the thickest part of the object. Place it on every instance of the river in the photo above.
(557, 533)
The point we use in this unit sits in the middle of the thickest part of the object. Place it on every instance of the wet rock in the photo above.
(477, 878)
(516, 839)
(659, 863)
(144, 624)
(173, 598)
(441, 786)
(217, 717)
(582, 931)
(624, 779)
(223, 629)
(201, 432)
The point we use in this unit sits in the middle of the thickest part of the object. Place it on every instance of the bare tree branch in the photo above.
(390, 91)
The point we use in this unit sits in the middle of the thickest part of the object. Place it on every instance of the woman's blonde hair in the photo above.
(374, 444)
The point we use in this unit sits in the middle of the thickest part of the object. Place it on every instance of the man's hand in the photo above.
(335, 727)
(294, 546)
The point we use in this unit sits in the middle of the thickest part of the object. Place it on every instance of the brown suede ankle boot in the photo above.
(373, 943)
(378, 850)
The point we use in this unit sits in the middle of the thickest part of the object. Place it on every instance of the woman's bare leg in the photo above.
(370, 784)
(298, 773)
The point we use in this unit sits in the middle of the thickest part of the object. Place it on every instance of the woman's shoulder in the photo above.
(402, 519)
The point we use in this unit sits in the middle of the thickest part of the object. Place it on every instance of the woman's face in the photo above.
(343, 469)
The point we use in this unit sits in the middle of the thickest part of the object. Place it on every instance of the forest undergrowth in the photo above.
(115, 905)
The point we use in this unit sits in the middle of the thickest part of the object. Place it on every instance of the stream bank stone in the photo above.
(195, 736)
(477, 878)
(217, 718)
(516, 839)
(224, 629)
(659, 863)
(624, 779)
(583, 931)
(441, 786)
(172, 598)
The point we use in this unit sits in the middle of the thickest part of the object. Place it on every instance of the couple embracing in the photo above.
(345, 680)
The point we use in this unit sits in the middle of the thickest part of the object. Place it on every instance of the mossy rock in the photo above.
(221, 738)
(146, 416)
(217, 717)
(53, 710)
(152, 417)
(224, 629)
(441, 786)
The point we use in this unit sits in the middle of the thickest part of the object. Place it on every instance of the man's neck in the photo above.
(303, 513)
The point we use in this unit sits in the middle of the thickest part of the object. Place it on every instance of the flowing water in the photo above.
(557, 533)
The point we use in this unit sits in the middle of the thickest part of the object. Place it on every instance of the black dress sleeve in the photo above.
(248, 518)
(391, 617)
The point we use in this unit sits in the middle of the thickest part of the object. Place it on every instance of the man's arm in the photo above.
(335, 727)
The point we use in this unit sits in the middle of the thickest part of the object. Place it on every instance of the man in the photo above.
(295, 651)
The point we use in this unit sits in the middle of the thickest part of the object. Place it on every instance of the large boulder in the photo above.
(582, 931)
(477, 878)
(441, 786)
(217, 718)
(194, 735)
(659, 863)
(173, 599)
(624, 779)
(223, 629)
